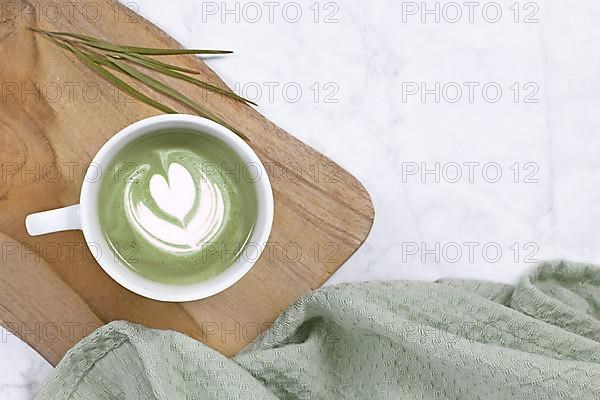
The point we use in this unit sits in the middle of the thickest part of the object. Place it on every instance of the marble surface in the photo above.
(475, 128)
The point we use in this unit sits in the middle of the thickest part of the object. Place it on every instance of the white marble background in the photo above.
(376, 65)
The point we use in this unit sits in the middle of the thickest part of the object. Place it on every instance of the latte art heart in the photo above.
(175, 197)
(176, 206)
(197, 209)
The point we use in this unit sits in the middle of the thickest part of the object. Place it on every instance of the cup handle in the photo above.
(60, 219)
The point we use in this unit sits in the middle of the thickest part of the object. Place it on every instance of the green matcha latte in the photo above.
(177, 206)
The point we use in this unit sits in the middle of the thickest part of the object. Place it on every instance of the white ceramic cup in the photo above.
(84, 216)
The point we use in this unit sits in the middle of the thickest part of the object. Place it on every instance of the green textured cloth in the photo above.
(445, 340)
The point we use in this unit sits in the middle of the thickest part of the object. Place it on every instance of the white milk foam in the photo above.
(198, 219)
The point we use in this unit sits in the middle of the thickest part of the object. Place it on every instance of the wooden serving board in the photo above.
(55, 114)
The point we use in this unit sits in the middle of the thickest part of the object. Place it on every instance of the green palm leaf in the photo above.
(102, 44)
(99, 56)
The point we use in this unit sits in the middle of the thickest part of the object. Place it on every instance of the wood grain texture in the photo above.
(55, 114)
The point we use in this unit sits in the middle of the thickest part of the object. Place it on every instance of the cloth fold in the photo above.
(451, 339)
